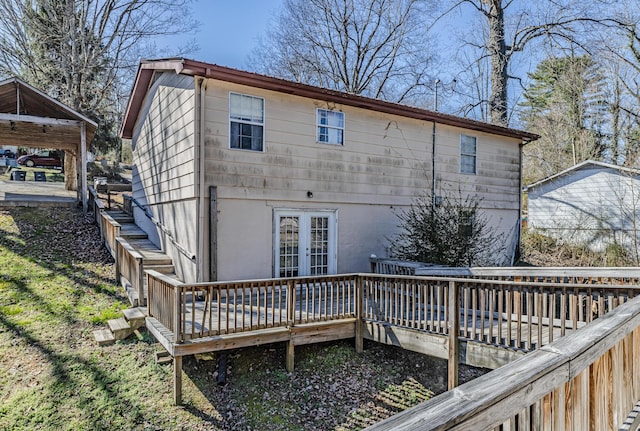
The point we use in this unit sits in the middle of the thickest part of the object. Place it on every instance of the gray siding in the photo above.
(594, 206)
(385, 162)
(164, 166)
(385, 159)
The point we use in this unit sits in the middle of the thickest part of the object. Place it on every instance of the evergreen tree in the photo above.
(453, 232)
(566, 104)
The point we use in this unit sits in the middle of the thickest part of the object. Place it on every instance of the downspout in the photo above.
(434, 201)
(516, 251)
(201, 225)
(433, 166)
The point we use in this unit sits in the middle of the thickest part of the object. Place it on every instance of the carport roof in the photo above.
(29, 117)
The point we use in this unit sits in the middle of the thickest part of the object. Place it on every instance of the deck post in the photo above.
(291, 314)
(177, 333)
(454, 329)
(117, 260)
(140, 282)
(359, 314)
(177, 380)
(291, 355)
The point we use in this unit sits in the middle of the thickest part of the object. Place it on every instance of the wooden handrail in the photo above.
(111, 231)
(490, 311)
(577, 369)
(131, 266)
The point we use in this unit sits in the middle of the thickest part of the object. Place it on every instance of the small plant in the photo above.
(453, 232)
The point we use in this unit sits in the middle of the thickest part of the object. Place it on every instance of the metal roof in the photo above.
(196, 68)
(584, 165)
(31, 118)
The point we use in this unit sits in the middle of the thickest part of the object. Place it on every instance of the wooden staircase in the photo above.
(120, 328)
(152, 258)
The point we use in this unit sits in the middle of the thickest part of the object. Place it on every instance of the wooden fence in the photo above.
(588, 380)
(110, 231)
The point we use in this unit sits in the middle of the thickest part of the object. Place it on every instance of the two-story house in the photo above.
(239, 175)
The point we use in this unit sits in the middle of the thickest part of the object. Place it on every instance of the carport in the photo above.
(31, 118)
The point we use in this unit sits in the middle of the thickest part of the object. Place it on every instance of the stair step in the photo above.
(143, 243)
(131, 231)
(132, 293)
(120, 216)
(155, 260)
(162, 269)
(104, 337)
(163, 357)
(120, 328)
(135, 317)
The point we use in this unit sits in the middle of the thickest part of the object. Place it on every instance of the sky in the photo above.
(229, 29)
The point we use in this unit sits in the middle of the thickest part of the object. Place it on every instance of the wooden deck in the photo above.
(498, 315)
(229, 320)
(497, 321)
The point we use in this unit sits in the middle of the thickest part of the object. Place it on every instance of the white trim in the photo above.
(318, 125)
(475, 155)
(262, 124)
(45, 121)
(304, 238)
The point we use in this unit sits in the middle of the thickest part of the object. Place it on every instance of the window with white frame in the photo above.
(330, 126)
(246, 122)
(468, 152)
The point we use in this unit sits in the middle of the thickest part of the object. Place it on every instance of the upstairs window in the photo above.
(467, 154)
(330, 127)
(246, 118)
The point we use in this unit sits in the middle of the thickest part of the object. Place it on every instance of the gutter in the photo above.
(434, 200)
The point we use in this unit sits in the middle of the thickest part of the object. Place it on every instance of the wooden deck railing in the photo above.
(380, 265)
(588, 380)
(520, 315)
(130, 265)
(110, 231)
(200, 310)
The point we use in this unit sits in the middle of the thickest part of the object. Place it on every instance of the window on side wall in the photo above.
(465, 225)
(468, 154)
(246, 122)
(330, 127)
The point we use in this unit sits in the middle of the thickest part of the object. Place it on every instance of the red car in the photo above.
(48, 158)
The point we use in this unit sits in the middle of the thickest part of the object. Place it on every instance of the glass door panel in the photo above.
(305, 243)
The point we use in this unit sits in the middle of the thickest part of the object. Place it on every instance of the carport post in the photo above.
(83, 169)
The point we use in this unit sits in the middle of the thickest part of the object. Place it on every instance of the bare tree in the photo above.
(84, 52)
(510, 28)
(376, 48)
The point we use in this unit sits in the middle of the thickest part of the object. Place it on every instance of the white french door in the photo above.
(305, 243)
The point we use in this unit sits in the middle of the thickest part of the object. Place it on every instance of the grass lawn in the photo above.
(57, 286)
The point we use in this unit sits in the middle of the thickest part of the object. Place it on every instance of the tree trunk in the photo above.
(498, 51)
(70, 172)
